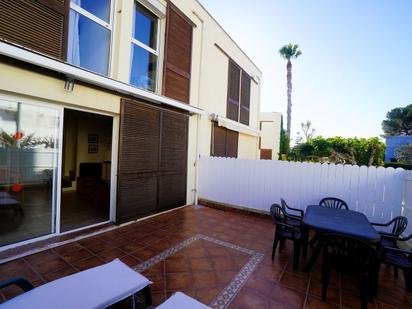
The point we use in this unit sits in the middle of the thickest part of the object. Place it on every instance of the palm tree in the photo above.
(288, 52)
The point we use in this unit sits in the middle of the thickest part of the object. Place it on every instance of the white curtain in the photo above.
(73, 52)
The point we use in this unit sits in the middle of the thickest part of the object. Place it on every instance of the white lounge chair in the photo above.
(181, 301)
(97, 287)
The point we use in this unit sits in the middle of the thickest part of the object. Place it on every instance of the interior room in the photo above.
(86, 169)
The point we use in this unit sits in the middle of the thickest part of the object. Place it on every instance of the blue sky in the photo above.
(356, 63)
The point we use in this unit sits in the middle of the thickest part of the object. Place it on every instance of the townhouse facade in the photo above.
(106, 106)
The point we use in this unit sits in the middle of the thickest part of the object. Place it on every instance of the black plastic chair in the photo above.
(400, 258)
(296, 220)
(388, 239)
(285, 231)
(333, 202)
(330, 202)
(354, 257)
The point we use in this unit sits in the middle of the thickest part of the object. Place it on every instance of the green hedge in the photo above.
(398, 164)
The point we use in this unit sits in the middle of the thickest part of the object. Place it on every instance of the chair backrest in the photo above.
(333, 202)
(277, 213)
(350, 253)
(399, 225)
(283, 204)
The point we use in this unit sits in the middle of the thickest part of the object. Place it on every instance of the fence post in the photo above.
(407, 201)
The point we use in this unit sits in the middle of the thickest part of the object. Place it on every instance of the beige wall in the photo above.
(270, 132)
(33, 85)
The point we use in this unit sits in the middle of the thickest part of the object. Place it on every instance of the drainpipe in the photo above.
(196, 189)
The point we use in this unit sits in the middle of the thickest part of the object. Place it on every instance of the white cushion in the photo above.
(97, 287)
(182, 301)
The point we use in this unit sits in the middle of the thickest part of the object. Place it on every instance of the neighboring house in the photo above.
(133, 92)
(393, 143)
(270, 135)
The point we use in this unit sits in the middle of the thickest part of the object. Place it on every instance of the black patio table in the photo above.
(337, 221)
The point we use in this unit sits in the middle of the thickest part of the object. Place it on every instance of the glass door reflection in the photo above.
(28, 167)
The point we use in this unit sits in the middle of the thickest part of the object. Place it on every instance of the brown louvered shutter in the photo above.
(245, 99)
(218, 141)
(178, 55)
(138, 161)
(173, 161)
(232, 138)
(152, 160)
(266, 154)
(224, 142)
(40, 25)
(233, 98)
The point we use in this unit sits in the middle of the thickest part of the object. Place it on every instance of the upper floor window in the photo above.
(90, 27)
(238, 97)
(145, 49)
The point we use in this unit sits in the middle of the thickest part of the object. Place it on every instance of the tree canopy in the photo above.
(398, 121)
(290, 51)
(360, 151)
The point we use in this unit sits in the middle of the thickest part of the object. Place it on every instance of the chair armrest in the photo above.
(20, 282)
(300, 211)
(294, 217)
(381, 224)
(285, 225)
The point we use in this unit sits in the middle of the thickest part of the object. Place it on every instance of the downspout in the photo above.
(196, 189)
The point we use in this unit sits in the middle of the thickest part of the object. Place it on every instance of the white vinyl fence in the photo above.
(256, 184)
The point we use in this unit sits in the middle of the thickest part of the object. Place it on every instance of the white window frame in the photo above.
(144, 46)
(101, 22)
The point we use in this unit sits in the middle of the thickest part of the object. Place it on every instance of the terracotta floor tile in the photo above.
(48, 265)
(294, 281)
(180, 281)
(177, 265)
(205, 279)
(316, 303)
(247, 299)
(69, 270)
(111, 254)
(144, 254)
(286, 298)
(74, 256)
(130, 261)
(88, 263)
(200, 264)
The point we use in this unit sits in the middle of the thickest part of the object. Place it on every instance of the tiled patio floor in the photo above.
(210, 255)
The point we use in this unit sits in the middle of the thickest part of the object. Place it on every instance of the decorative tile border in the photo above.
(230, 291)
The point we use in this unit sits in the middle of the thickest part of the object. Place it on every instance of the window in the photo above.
(224, 142)
(238, 98)
(89, 39)
(144, 49)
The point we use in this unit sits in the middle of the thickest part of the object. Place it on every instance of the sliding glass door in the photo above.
(29, 152)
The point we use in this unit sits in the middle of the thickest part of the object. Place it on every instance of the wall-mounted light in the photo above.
(69, 84)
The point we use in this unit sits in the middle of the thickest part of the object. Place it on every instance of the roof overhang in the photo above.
(234, 125)
(88, 77)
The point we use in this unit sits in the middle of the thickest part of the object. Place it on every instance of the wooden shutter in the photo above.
(232, 138)
(40, 25)
(245, 99)
(138, 161)
(233, 96)
(266, 154)
(218, 141)
(152, 160)
(173, 161)
(224, 142)
(178, 55)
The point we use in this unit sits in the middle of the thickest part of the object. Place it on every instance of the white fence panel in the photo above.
(256, 184)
